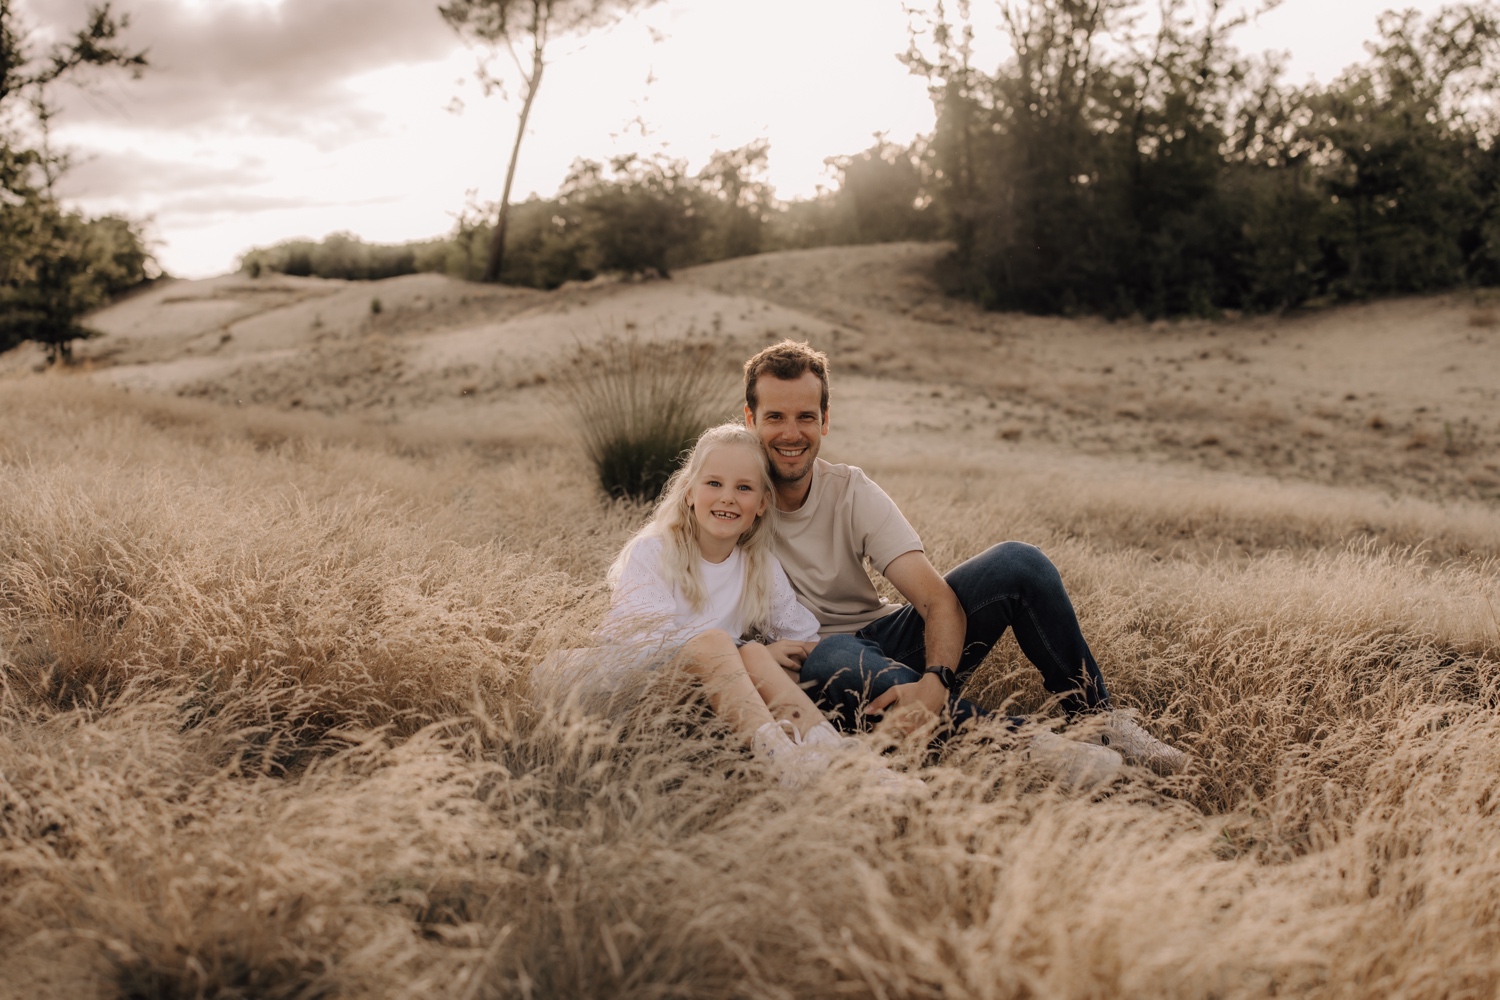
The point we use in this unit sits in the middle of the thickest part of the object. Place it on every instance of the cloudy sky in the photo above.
(261, 120)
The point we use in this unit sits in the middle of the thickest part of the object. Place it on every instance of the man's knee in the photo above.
(1020, 557)
(832, 657)
(1006, 568)
(842, 673)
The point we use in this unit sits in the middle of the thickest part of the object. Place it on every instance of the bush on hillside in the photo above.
(639, 405)
(640, 215)
(346, 256)
(736, 203)
(883, 193)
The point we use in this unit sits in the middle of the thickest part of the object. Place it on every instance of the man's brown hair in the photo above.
(788, 360)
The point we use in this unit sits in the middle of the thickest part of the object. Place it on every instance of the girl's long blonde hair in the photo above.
(672, 521)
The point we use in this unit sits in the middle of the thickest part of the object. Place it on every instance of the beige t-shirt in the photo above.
(845, 519)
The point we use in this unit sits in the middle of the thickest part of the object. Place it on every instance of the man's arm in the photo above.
(910, 706)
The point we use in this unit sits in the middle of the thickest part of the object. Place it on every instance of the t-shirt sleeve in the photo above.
(789, 619)
(642, 606)
(883, 531)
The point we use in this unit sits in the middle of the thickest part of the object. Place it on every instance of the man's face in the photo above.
(790, 424)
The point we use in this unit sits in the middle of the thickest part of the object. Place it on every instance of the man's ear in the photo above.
(825, 423)
(749, 416)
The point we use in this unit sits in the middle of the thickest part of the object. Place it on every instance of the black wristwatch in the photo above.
(944, 674)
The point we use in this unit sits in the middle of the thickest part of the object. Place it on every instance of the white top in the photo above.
(646, 608)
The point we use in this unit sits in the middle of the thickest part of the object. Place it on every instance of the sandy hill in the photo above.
(1399, 396)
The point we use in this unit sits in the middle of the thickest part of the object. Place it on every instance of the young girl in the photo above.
(701, 577)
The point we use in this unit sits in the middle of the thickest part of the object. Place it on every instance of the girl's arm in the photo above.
(793, 628)
(789, 619)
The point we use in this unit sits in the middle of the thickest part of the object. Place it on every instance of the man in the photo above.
(908, 663)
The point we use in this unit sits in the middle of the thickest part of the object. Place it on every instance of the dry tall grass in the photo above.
(264, 732)
(639, 405)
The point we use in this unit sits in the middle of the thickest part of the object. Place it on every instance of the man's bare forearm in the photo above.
(944, 625)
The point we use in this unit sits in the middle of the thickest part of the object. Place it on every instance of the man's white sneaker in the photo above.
(876, 771)
(796, 763)
(1079, 766)
(1117, 730)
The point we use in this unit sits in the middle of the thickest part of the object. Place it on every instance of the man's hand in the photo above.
(789, 653)
(910, 708)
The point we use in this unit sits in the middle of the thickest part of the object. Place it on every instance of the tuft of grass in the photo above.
(638, 405)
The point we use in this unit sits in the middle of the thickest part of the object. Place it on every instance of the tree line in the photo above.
(643, 215)
(1107, 169)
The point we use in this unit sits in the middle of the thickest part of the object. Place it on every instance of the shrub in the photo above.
(347, 257)
(639, 405)
(56, 265)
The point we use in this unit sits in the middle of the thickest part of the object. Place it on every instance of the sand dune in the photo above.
(1401, 396)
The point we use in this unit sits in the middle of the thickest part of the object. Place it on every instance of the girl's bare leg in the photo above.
(712, 658)
(776, 689)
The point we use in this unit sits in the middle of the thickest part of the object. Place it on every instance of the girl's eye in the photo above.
(714, 483)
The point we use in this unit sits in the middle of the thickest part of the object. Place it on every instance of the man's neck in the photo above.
(791, 496)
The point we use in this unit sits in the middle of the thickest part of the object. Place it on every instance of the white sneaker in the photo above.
(875, 769)
(1079, 766)
(796, 763)
(1118, 730)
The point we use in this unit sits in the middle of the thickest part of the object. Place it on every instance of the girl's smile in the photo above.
(726, 497)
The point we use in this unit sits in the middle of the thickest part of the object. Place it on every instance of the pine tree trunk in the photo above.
(497, 239)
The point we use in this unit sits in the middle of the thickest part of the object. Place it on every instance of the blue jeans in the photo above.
(1011, 585)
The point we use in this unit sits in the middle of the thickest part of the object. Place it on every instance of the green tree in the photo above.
(1108, 170)
(1404, 141)
(737, 201)
(533, 24)
(62, 266)
(882, 193)
(641, 216)
(55, 265)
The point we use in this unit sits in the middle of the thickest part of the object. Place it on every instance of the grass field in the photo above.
(265, 717)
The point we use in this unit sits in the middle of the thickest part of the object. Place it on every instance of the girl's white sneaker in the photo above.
(875, 769)
(797, 763)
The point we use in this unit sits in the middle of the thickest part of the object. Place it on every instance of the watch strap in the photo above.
(945, 675)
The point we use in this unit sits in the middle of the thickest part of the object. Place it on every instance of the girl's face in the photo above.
(726, 497)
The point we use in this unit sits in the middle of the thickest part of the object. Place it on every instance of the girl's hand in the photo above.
(789, 653)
